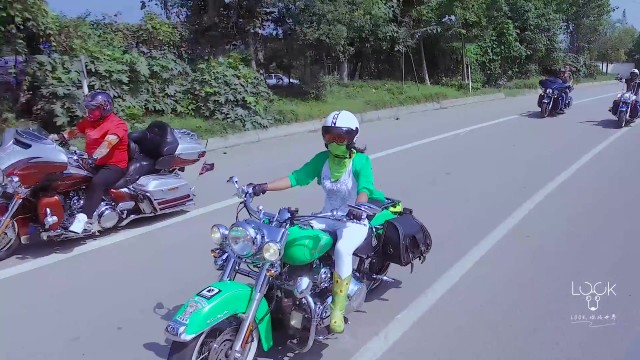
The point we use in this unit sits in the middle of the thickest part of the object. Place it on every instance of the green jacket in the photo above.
(361, 167)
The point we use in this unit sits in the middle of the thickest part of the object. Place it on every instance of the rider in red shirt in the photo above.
(107, 146)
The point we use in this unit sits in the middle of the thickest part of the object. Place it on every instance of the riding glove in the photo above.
(259, 189)
(353, 214)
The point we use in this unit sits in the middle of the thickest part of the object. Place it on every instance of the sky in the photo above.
(131, 12)
(130, 9)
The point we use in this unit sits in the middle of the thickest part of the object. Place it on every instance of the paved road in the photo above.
(519, 209)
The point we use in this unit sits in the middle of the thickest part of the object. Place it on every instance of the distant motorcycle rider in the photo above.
(633, 77)
(566, 76)
(633, 84)
(557, 82)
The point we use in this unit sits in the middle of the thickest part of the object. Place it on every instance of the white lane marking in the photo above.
(112, 239)
(403, 322)
(127, 234)
(461, 131)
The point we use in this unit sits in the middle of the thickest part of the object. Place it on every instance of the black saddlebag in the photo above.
(405, 239)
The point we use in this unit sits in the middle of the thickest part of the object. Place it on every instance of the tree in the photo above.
(584, 21)
(216, 25)
(634, 51)
(419, 19)
(500, 50)
(170, 9)
(342, 26)
(616, 43)
(24, 25)
(538, 32)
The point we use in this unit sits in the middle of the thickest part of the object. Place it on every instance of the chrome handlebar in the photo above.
(245, 193)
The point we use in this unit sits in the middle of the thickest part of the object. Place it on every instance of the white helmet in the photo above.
(635, 71)
(343, 123)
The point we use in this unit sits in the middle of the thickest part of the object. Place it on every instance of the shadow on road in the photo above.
(166, 314)
(382, 289)
(606, 123)
(40, 249)
(280, 350)
(538, 115)
(532, 114)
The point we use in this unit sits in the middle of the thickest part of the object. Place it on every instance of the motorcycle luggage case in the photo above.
(166, 191)
(190, 151)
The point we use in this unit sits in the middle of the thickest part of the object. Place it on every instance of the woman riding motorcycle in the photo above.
(631, 82)
(346, 176)
(106, 144)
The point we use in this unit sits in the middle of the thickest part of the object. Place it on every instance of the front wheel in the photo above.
(215, 344)
(622, 117)
(544, 110)
(9, 241)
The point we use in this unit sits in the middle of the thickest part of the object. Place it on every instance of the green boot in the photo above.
(338, 302)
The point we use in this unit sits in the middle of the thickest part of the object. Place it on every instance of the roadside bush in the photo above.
(54, 87)
(228, 90)
(144, 77)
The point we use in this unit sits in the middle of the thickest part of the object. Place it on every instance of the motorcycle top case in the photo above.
(190, 150)
(405, 239)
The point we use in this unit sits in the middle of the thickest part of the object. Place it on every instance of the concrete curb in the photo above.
(378, 115)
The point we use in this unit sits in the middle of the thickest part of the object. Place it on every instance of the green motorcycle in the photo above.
(291, 264)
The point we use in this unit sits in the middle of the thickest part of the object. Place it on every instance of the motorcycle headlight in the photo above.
(626, 97)
(549, 91)
(271, 251)
(219, 233)
(243, 240)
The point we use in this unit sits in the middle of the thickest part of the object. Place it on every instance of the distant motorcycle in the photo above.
(626, 107)
(549, 100)
(44, 185)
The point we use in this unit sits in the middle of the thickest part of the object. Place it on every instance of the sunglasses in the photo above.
(335, 138)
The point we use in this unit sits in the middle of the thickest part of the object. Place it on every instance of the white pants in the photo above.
(350, 236)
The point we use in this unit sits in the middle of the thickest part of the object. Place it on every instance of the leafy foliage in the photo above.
(230, 91)
(202, 58)
(141, 67)
(24, 24)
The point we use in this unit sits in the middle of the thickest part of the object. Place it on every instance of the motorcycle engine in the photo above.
(72, 205)
(316, 280)
(106, 215)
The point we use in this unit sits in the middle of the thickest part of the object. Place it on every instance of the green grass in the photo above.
(356, 97)
(360, 97)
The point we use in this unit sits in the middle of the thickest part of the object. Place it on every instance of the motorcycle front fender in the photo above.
(212, 305)
(623, 106)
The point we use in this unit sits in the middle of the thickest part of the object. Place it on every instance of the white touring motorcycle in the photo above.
(43, 184)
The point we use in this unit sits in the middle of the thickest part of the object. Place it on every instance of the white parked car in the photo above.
(279, 80)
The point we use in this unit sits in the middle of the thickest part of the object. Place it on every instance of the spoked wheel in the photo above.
(9, 241)
(215, 344)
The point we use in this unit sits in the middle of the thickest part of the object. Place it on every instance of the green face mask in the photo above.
(338, 150)
(339, 160)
